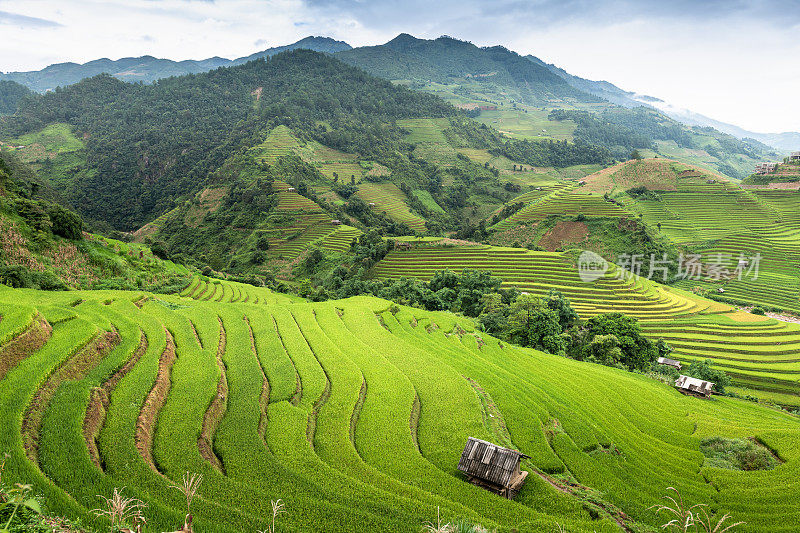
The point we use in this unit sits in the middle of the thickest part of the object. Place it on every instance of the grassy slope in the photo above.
(757, 351)
(341, 454)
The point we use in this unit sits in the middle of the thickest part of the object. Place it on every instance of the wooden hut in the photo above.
(795, 156)
(336, 222)
(694, 386)
(493, 467)
(669, 362)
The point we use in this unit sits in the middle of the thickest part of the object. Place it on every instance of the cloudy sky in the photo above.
(733, 60)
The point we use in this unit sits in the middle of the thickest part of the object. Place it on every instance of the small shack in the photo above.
(493, 467)
(766, 168)
(291, 189)
(669, 362)
(795, 157)
(694, 386)
(336, 222)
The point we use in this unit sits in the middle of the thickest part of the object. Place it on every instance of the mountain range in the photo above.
(404, 57)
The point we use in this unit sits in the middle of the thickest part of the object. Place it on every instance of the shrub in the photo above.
(15, 276)
(65, 223)
(758, 311)
(703, 370)
(736, 454)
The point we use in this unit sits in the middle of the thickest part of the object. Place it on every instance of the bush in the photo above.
(15, 276)
(736, 454)
(758, 311)
(65, 223)
(703, 370)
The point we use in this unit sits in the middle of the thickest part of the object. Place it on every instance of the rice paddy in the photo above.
(744, 345)
(354, 413)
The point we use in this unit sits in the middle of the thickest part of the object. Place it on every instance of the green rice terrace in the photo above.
(694, 209)
(759, 353)
(354, 413)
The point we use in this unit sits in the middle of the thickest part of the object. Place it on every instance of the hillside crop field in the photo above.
(353, 412)
(759, 353)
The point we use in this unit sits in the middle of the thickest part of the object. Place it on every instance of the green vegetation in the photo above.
(317, 410)
(10, 95)
(736, 454)
(44, 247)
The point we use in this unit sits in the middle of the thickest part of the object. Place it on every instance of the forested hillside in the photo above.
(445, 59)
(527, 99)
(10, 95)
(148, 145)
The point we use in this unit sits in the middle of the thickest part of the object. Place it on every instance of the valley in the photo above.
(306, 277)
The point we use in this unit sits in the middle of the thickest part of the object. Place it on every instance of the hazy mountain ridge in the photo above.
(782, 141)
(148, 69)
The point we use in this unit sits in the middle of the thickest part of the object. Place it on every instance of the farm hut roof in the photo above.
(490, 462)
(670, 362)
(693, 384)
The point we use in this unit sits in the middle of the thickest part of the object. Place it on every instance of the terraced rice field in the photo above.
(660, 308)
(563, 200)
(280, 142)
(339, 241)
(389, 199)
(354, 415)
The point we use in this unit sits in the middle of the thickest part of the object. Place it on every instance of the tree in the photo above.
(636, 155)
(703, 370)
(544, 331)
(638, 352)
(605, 350)
(65, 223)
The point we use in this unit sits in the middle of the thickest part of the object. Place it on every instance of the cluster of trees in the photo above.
(551, 324)
(10, 95)
(553, 153)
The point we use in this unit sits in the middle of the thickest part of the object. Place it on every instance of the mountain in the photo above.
(445, 60)
(602, 89)
(148, 69)
(786, 141)
(134, 149)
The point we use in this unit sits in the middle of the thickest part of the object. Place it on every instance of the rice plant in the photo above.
(121, 511)
(693, 518)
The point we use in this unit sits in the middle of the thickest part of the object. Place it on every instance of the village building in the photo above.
(794, 156)
(694, 386)
(493, 467)
(766, 168)
(291, 189)
(669, 362)
(336, 222)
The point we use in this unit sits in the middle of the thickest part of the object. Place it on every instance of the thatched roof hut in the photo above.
(493, 467)
(669, 362)
(694, 386)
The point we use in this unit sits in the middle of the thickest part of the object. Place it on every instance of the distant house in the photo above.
(291, 189)
(402, 245)
(794, 156)
(669, 362)
(694, 386)
(493, 467)
(336, 222)
(371, 204)
(766, 168)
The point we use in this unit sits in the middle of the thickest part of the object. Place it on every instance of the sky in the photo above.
(733, 60)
